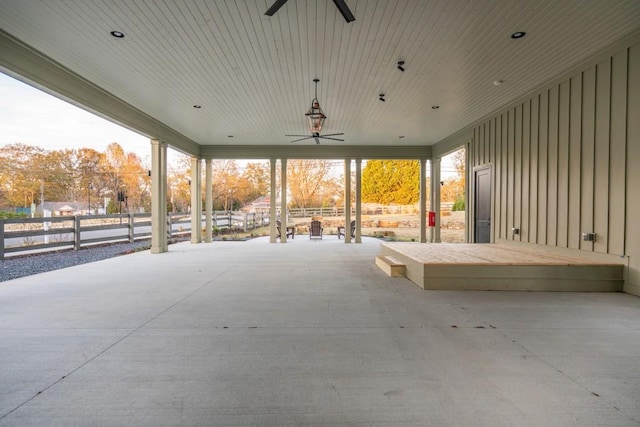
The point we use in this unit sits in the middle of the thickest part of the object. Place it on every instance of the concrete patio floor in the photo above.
(305, 333)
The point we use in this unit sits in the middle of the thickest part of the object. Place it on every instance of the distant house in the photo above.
(64, 208)
(261, 204)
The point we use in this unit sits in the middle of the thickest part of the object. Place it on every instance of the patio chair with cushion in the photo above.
(315, 230)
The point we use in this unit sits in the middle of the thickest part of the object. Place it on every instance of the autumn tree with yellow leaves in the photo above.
(391, 182)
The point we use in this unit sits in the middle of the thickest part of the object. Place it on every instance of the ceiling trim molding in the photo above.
(30, 66)
(314, 152)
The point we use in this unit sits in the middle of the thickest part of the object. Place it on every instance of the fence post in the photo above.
(131, 233)
(246, 220)
(169, 230)
(2, 239)
(229, 223)
(76, 233)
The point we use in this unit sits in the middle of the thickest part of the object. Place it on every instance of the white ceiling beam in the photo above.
(314, 152)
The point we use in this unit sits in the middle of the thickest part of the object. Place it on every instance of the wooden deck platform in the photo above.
(458, 266)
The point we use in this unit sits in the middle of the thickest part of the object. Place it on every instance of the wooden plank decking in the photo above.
(501, 267)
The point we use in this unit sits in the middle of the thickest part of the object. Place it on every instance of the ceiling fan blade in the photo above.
(300, 135)
(333, 139)
(332, 134)
(275, 6)
(317, 140)
(344, 10)
(302, 139)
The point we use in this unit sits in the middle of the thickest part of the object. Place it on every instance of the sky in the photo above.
(32, 117)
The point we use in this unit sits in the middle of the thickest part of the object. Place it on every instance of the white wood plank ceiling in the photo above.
(252, 74)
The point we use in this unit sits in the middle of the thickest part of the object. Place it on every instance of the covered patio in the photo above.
(308, 333)
(543, 96)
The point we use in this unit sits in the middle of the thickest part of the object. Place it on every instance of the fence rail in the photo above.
(31, 235)
(366, 210)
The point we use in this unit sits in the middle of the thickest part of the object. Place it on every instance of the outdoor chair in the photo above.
(315, 230)
(353, 230)
(290, 231)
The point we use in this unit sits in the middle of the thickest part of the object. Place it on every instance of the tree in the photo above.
(27, 173)
(459, 162)
(57, 171)
(110, 167)
(254, 182)
(178, 191)
(310, 182)
(89, 180)
(21, 175)
(225, 183)
(391, 182)
(135, 181)
(453, 188)
(124, 172)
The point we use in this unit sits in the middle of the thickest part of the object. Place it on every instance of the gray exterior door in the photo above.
(483, 205)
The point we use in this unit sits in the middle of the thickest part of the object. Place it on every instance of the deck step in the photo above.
(390, 265)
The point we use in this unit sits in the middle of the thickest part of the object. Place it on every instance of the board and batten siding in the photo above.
(566, 161)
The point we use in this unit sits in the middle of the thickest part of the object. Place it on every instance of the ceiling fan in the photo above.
(340, 4)
(317, 137)
(315, 119)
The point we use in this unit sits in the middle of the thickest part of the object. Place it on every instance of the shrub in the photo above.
(458, 205)
(8, 215)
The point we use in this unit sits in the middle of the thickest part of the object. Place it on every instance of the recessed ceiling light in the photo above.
(117, 34)
(435, 107)
(498, 82)
(518, 35)
(197, 106)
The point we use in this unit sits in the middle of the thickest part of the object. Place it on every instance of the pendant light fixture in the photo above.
(315, 120)
(315, 116)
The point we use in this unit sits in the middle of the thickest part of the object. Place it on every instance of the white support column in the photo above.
(208, 200)
(159, 242)
(272, 203)
(283, 201)
(435, 198)
(423, 201)
(469, 189)
(358, 200)
(347, 200)
(196, 201)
